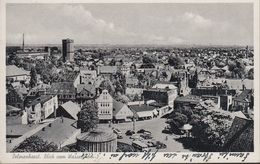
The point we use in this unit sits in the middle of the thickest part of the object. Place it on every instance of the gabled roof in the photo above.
(62, 88)
(60, 131)
(241, 136)
(12, 70)
(108, 69)
(71, 108)
(88, 87)
(117, 106)
(164, 86)
(131, 80)
(215, 68)
(42, 99)
(142, 108)
(243, 97)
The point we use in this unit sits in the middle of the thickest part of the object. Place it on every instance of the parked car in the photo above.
(118, 133)
(141, 131)
(160, 145)
(136, 137)
(151, 143)
(129, 132)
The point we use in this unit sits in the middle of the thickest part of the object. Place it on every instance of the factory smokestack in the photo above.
(23, 42)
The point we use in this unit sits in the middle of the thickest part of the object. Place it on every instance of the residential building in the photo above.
(105, 106)
(17, 74)
(121, 112)
(68, 110)
(244, 101)
(87, 76)
(163, 94)
(188, 101)
(144, 111)
(41, 108)
(85, 92)
(131, 81)
(64, 90)
(107, 71)
(62, 131)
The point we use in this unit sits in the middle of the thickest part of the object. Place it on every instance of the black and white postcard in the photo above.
(141, 81)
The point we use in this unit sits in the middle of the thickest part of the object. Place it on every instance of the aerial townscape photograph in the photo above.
(129, 77)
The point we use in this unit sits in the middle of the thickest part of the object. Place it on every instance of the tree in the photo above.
(36, 144)
(106, 84)
(88, 116)
(148, 60)
(176, 61)
(210, 128)
(112, 62)
(250, 73)
(177, 120)
(33, 80)
(194, 80)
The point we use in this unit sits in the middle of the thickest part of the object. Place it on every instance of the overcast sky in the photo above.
(216, 24)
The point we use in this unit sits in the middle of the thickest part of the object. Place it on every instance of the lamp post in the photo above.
(134, 124)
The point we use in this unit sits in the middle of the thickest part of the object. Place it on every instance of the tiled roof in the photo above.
(72, 109)
(62, 88)
(142, 108)
(19, 129)
(88, 87)
(12, 70)
(108, 69)
(243, 97)
(164, 86)
(188, 98)
(41, 99)
(117, 106)
(59, 132)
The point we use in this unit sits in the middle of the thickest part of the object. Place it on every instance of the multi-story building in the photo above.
(41, 108)
(68, 50)
(84, 93)
(105, 106)
(64, 90)
(163, 94)
(87, 76)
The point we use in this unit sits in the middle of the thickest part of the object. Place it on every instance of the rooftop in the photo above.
(71, 108)
(188, 98)
(12, 70)
(59, 130)
(142, 108)
(89, 87)
(108, 69)
(62, 88)
(244, 96)
(41, 99)
(19, 129)
(97, 135)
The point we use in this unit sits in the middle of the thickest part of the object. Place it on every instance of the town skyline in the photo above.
(182, 24)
